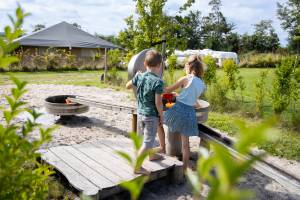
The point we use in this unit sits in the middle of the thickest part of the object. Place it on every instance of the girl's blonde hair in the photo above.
(195, 65)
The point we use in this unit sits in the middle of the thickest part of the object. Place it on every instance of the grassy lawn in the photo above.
(288, 146)
(84, 78)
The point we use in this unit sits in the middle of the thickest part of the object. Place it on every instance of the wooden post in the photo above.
(134, 123)
(173, 145)
(105, 65)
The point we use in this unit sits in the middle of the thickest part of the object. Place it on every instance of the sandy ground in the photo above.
(99, 123)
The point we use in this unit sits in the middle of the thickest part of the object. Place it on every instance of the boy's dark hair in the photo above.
(153, 58)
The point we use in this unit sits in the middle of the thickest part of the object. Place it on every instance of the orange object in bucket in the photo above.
(169, 105)
(168, 96)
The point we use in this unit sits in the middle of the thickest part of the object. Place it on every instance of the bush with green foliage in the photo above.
(211, 70)
(114, 58)
(285, 86)
(261, 60)
(54, 59)
(136, 185)
(217, 95)
(10, 34)
(172, 65)
(21, 176)
(241, 86)
(231, 71)
(227, 169)
(114, 77)
(260, 93)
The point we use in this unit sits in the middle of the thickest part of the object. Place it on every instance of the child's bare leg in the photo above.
(161, 138)
(185, 148)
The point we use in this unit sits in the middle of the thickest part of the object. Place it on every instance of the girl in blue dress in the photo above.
(181, 118)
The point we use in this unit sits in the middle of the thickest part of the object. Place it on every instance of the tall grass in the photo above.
(261, 60)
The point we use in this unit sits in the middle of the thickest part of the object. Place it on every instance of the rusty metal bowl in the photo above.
(57, 105)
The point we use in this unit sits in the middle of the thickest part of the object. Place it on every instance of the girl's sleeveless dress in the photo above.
(181, 118)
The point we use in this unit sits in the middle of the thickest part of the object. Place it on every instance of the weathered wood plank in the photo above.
(106, 160)
(105, 172)
(78, 181)
(97, 170)
(82, 168)
(125, 145)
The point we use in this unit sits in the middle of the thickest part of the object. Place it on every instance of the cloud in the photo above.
(107, 17)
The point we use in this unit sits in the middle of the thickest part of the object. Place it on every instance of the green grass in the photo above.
(287, 145)
(83, 78)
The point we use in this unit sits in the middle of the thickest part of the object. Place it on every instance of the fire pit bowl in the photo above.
(57, 105)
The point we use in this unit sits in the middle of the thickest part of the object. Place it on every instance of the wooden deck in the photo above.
(96, 170)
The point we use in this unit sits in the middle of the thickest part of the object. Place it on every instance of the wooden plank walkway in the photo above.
(96, 170)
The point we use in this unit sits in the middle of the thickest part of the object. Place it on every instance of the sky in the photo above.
(107, 16)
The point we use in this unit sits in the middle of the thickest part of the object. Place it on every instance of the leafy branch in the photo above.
(136, 160)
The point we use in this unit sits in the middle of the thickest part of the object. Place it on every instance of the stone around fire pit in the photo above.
(57, 105)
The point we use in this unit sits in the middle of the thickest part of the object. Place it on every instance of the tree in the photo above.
(215, 27)
(126, 36)
(189, 29)
(76, 25)
(289, 15)
(38, 27)
(149, 27)
(264, 37)
(246, 43)
(232, 42)
(110, 38)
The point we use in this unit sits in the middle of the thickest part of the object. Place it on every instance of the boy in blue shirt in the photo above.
(150, 107)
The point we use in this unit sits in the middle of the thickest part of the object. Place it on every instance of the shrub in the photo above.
(262, 60)
(284, 86)
(211, 71)
(21, 177)
(39, 62)
(114, 78)
(260, 93)
(128, 57)
(241, 86)
(136, 185)
(114, 58)
(227, 169)
(170, 79)
(231, 70)
(217, 95)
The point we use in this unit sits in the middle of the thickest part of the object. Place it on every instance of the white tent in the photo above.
(220, 56)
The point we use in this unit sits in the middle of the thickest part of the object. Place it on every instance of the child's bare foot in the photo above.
(142, 171)
(160, 150)
(155, 157)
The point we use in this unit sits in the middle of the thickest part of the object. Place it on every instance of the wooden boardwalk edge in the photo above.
(95, 170)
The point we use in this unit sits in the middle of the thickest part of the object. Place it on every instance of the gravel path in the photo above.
(99, 123)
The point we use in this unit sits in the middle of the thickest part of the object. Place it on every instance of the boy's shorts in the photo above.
(147, 126)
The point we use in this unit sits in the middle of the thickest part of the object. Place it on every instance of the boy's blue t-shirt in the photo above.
(148, 84)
